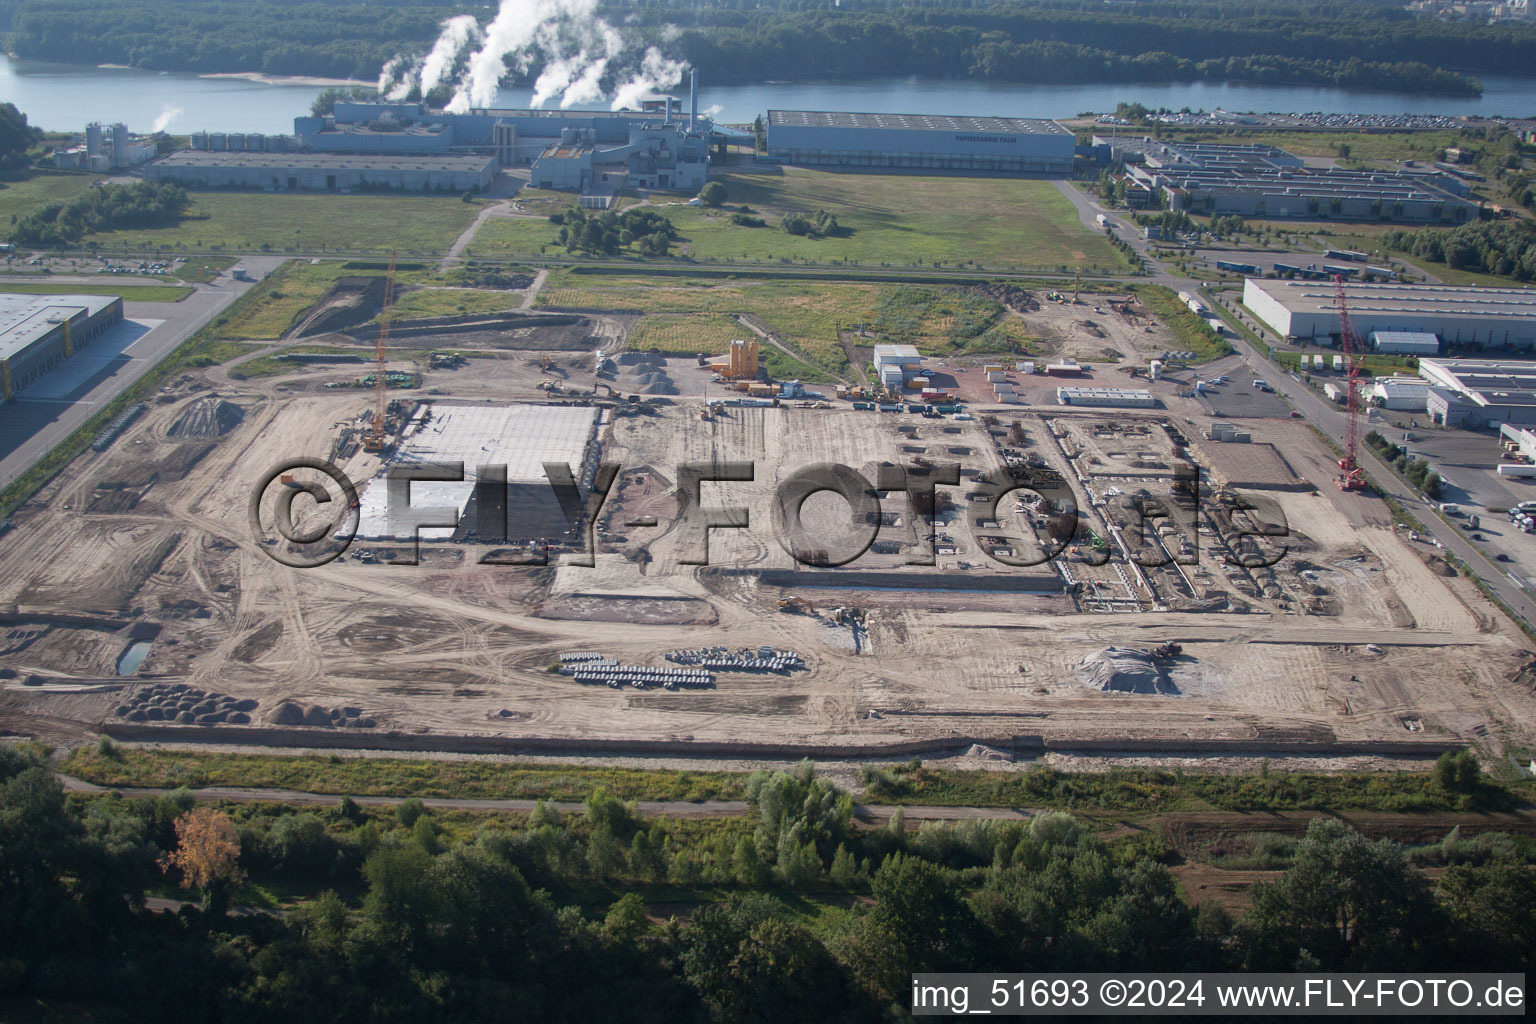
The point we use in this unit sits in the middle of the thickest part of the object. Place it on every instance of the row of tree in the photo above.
(144, 204)
(448, 920)
(1418, 473)
(1372, 43)
(1503, 247)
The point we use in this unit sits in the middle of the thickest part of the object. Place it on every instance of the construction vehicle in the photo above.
(1164, 652)
(603, 389)
(1351, 476)
(797, 606)
(707, 413)
(545, 364)
(550, 385)
(373, 441)
(287, 480)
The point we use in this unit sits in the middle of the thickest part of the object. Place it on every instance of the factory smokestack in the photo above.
(693, 98)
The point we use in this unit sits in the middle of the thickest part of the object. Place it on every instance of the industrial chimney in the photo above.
(693, 98)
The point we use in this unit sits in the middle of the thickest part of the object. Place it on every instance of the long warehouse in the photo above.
(38, 332)
(920, 141)
(324, 172)
(1495, 317)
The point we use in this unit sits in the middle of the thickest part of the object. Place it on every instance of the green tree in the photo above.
(714, 193)
(920, 923)
(16, 137)
(748, 964)
(1347, 903)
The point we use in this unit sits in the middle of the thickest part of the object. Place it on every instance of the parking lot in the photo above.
(1239, 399)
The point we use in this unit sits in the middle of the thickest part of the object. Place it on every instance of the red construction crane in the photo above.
(1351, 477)
(373, 441)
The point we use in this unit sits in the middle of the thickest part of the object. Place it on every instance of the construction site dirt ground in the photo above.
(150, 542)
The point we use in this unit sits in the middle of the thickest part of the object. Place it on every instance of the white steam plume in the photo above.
(168, 113)
(458, 32)
(391, 73)
(656, 74)
(574, 51)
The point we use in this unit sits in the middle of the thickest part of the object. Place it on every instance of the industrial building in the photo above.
(106, 148)
(920, 141)
(38, 332)
(1406, 394)
(1264, 181)
(1480, 392)
(1123, 398)
(384, 145)
(1492, 317)
(1405, 343)
(521, 438)
(896, 364)
(324, 172)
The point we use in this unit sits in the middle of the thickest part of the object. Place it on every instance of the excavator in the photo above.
(797, 606)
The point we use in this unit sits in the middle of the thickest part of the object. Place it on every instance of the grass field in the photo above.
(896, 220)
(297, 285)
(686, 333)
(129, 292)
(428, 301)
(947, 321)
(395, 777)
(806, 313)
(278, 300)
(1130, 789)
(251, 221)
(19, 198)
(1123, 789)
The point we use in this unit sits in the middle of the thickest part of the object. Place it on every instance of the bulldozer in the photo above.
(1166, 651)
(797, 606)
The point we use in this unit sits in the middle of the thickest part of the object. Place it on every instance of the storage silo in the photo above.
(122, 149)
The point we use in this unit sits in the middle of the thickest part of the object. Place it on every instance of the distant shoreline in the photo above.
(257, 76)
(315, 81)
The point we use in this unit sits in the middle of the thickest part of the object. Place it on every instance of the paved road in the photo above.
(1321, 413)
(46, 414)
(653, 808)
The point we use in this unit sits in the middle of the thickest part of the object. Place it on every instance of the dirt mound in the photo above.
(659, 388)
(207, 417)
(286, 713)
(1012, 296)
(350, 302)
(289, 713)
(1124, 670)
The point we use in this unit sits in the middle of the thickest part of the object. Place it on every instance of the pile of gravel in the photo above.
(185, 705)
(290, 713)
(1124, 670)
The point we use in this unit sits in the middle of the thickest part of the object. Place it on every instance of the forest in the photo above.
(1506, 247)
(1353, 43)
(795, 912)
(143, 204)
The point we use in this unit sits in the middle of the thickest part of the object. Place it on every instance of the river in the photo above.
(63, 97)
